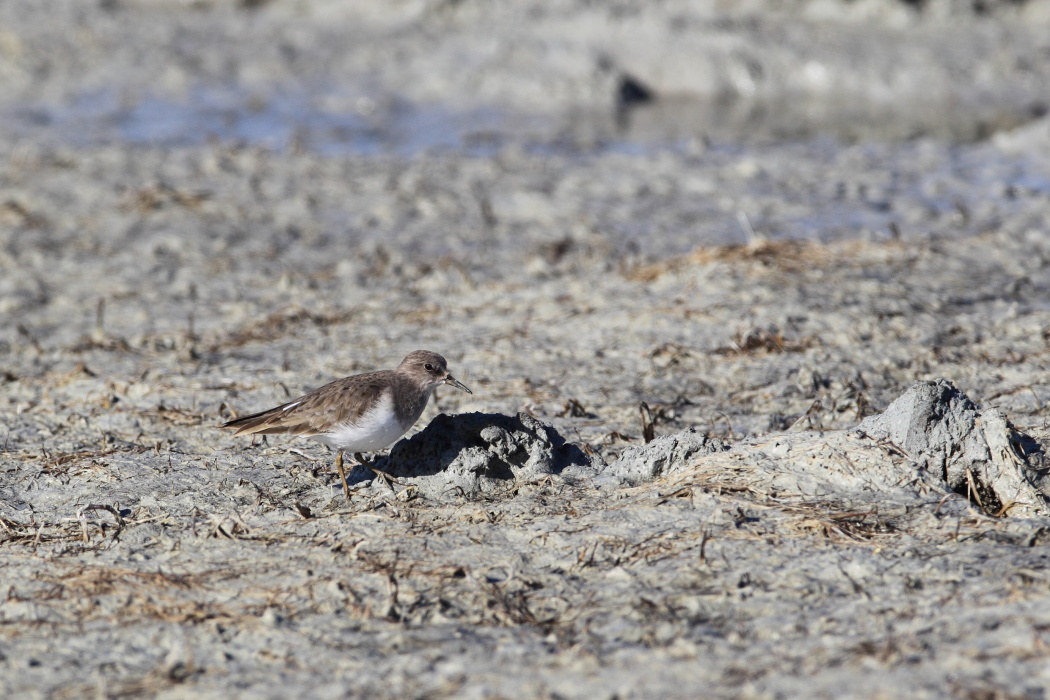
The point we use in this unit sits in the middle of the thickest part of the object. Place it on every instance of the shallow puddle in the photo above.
(792, 170)
(333, 121)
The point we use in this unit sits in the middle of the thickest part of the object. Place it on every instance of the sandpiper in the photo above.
(358, 414)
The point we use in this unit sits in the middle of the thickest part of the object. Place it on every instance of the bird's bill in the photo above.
(452, 381)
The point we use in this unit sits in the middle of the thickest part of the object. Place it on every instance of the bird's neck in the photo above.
(409, 402)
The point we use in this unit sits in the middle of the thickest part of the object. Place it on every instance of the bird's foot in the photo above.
(389, 479)
(367, 463)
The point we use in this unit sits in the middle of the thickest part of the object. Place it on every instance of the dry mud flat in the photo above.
(834, 564)
(820, 513)
(828, 554)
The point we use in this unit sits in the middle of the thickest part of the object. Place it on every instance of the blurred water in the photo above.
(331, 120)
(279, 121)
(977, 184)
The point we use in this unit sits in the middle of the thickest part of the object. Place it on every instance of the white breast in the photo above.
(374, 430)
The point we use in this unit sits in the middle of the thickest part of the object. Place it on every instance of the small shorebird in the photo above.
(358, 414)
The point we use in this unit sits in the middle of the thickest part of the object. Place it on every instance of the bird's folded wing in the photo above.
(342, 402)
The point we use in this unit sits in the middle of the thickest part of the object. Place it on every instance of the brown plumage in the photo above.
(336, 402)
(357, 414)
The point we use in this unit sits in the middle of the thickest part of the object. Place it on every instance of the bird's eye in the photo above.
(428, 367)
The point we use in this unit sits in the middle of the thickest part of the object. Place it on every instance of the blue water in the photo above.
(279, 121)
(985, 186)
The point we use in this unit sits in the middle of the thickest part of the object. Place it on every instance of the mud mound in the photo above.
(930, 442)
(975, 452)
(665, 455)
(474, 454)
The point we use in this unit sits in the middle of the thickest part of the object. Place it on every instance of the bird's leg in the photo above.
(362, 461)
(342, 474)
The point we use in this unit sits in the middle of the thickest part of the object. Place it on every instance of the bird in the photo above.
(362, 413)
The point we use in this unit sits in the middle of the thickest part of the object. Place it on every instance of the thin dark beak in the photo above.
(452, 381)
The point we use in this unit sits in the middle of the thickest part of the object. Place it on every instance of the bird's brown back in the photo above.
(340, 402)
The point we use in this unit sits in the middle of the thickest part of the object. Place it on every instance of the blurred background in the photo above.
(415, 75)
(564, 82)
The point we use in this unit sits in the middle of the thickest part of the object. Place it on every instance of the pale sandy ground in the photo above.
(766, 295)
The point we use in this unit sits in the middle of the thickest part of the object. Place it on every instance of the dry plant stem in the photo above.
(115, 512)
